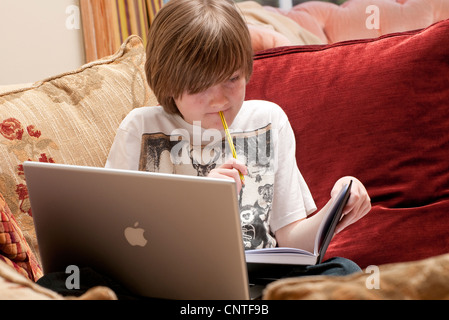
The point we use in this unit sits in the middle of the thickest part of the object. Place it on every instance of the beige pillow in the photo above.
(11, 87)
(70, 118)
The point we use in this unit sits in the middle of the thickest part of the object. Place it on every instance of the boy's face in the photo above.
(204, 106)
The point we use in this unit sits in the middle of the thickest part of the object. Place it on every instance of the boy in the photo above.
(199, 60)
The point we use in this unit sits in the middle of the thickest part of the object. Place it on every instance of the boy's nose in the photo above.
(217, 98)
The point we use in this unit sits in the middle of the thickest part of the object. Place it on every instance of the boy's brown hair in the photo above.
(193, 45)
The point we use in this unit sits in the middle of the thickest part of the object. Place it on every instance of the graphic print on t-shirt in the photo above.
(180, 154)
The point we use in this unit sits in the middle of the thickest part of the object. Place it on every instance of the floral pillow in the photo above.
(70, 118)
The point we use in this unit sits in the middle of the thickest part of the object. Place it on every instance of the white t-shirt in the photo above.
(275, 193)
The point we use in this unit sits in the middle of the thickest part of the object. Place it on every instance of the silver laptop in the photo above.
(159, 235)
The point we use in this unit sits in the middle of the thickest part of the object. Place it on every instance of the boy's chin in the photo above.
(214, 122)
(218, 127)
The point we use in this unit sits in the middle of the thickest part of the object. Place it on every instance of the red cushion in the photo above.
(376, 109)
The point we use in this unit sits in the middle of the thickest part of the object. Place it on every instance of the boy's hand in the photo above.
(359, 203)
(230, 171)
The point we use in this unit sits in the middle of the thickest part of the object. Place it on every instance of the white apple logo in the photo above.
(134, 235)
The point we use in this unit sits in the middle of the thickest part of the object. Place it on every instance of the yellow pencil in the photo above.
(231, 143)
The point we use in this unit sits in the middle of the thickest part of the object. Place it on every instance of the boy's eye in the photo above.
(234, 78)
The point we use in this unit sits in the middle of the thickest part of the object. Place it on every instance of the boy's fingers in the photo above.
(235, 164)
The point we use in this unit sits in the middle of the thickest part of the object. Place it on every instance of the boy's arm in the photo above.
(301, 233)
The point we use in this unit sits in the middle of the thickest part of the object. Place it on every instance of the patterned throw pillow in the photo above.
(14, 249)
(70, 118)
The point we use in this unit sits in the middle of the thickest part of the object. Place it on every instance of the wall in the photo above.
(38, 39)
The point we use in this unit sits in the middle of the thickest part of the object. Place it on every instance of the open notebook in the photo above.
(282, 255)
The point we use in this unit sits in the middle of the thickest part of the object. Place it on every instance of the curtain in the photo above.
(107, 23)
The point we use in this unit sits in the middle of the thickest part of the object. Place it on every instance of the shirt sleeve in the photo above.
(292, 198)
(125, 150)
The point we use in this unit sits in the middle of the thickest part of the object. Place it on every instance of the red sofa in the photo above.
(377, 109)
